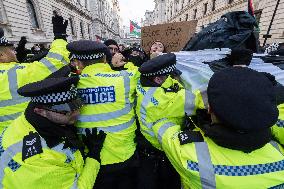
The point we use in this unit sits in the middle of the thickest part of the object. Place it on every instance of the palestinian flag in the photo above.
(135, 29)
(250, 7)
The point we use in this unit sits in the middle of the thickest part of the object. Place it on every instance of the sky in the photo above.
(134, 9)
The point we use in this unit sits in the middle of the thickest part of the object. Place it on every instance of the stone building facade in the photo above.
(33, 19)
(208, 11)
(107, 23)
(149, 18)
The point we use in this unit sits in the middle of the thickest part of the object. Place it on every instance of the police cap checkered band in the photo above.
(163, 71)
(87, 56)
(5, 42)
(54, 98)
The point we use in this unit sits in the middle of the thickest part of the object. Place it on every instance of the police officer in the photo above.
(41, 149)
(160, 96)
(109, 106)
(234, 150)
(14, 74)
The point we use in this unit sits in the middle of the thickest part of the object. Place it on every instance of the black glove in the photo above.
(187, 123)
(23, 41)
(94, 142)
(59, 27)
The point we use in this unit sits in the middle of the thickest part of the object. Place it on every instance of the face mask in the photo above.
(136, 60)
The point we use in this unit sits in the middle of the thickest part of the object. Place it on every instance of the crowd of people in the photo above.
(87, 114)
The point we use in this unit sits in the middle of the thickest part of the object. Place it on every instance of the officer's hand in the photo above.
(118, 60)
(59, 26)
(94, 142)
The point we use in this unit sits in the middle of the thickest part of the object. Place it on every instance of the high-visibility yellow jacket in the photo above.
(15, 75)
(54, 168)
(155, 103)
(109, 105)
(278, 128)
(207, 165)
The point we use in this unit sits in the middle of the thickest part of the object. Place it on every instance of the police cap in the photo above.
(86, 50)
(3, 40)
(243, 99)
(161, 65)
(51, 90)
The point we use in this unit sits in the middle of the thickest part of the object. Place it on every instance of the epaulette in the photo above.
(188, 136)
(31, 145)
(175, 88)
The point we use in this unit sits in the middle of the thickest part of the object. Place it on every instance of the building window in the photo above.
(90, 31)
(194, 13)
(71, 23)
(82, 29)
(186, 17)
(231, 1)
(205, 8)
(213, 5)
(32, 14)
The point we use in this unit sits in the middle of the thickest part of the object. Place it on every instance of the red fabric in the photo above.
(250, 7)
(131, 27)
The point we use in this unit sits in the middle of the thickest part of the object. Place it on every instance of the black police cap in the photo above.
(161, 65)
(243, 99)
(86, 50)
(51, 90)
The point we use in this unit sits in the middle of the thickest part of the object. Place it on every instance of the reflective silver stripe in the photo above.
(10, 117)
(151, 133)
(75, 184)
(13, 87)
(57, 56)
(49, 65)
(203, 92)
(117, 128)
(163, 129)
(16, 148)
(206, 168)
(8, 155)
(111, 115)
(60, 148)
(276, 146)
(110, 129)
(189, 104)
(146, 100)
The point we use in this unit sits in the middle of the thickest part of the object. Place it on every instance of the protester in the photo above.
(136, 55)
(156, 49)
(109, 106)
(235, 148)
(121, 47)
(21, 50)
(15, 74)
